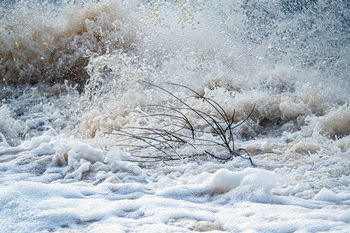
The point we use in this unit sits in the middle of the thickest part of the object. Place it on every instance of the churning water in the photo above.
(76, 77)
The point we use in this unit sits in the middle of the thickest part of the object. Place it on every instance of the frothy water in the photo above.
(76, 73)
(52, 42)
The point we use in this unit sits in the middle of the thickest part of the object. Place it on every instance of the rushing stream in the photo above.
(111, 115)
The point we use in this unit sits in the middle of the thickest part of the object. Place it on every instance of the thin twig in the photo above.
(182, 131)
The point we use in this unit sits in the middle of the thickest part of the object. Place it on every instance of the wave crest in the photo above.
(36, 48)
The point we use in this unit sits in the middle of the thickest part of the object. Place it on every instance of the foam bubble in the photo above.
(327, 195)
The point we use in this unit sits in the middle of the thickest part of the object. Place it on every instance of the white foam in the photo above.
(64, 168)
(224, 180)
(326, 195)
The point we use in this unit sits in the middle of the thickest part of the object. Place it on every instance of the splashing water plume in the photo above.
(134, 115)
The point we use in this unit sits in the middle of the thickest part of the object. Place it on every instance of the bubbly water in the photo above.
(79, 76)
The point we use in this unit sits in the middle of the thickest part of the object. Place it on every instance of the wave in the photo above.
(51, 42)
(290, 61)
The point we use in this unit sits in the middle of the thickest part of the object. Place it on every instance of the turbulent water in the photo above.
(95, 138)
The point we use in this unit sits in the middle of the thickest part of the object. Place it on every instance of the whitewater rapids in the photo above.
(74, 73)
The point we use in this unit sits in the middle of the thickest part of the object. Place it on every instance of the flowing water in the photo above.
(79, 76)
